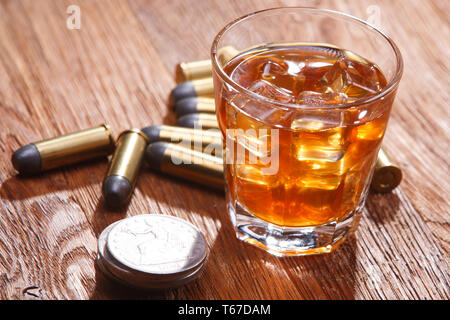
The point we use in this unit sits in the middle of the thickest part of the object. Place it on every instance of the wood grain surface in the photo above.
(118, 68)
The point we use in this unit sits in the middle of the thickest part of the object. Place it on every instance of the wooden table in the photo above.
(118, 68)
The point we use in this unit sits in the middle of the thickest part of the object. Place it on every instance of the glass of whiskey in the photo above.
(302, 103)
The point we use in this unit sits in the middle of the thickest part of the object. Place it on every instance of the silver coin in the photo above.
(179, 282)
(114, 269)
(126, 273)
(104, 267)
(102, 238)
(133, 278)
(157, 244)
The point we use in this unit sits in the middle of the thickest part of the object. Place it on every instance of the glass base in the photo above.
(292, 241)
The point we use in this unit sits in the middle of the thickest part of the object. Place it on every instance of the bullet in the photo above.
(187, 71)
(185, 163)
(198, 120)
(64, 150)
(195, 105)
(225, 54)
(208, 141)
(387, 176)
(121, 176)
(208, 170)
(194, 88)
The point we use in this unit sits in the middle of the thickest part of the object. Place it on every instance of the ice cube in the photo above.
(260, 68)
(335, 79)
(253, 113)
(244, 113)
(317, 98)
(321, 175)
(372, 130)
(273, 68)
(245, 119)
(355, 78)
(319, 152)
(307, 124)
(278, 117)
(283, 75)
(253, 174)
(247, 113)
(315, 141)
(271, 91)
(363, 84)
(356, 180)
(314, 120)
(252, 145)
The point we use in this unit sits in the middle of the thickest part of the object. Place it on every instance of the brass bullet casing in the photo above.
(387, 176)
(225, 54)
(186, 163)
(64, 150)
(198, 120)
(208, 141)
(187, 71)
(120, 178)
(203, 87)
(194, 88)
(193, 70)
(195, 105)
(208, 170)
(127, 158)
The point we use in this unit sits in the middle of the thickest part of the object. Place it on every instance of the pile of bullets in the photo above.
(193, 103)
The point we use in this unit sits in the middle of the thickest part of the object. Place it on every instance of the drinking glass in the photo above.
(297, 173)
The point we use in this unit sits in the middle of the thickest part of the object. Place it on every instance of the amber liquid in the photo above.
(326, 157)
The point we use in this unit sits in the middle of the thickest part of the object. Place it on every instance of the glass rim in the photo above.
(391, 85)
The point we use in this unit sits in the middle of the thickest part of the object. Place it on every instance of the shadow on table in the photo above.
(256, 274)
(264, 276)
(237, 270)
(181, 194)
(176, 193)
(241, 271)
(382, 208)
(326, 276)
(19, 187)
(173, 192)
(106, 289)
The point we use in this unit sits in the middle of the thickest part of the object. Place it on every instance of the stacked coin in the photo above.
(152, 251)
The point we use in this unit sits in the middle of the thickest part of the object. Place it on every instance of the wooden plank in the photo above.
(119, 68)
